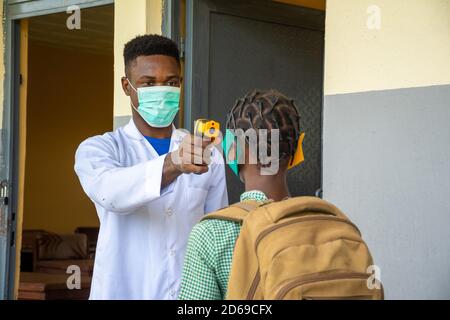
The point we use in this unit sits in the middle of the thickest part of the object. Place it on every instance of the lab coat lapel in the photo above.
(133, 133)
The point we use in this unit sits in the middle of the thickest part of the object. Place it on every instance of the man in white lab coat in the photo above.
(148, 184)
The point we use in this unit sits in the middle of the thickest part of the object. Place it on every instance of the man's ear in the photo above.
(126, 86)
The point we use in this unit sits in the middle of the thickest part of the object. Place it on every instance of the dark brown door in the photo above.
(236, 46)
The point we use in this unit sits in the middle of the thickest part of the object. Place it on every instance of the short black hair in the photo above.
(268, 110)
(148, 45)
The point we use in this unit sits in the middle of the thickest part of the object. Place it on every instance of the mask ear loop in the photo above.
(131, 101)
(132, 105)
(131, 85)
(231, 122)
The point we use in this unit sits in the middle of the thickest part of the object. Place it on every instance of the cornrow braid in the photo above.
(268, 110)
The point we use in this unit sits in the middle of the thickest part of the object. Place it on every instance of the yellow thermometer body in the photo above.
(207, 128)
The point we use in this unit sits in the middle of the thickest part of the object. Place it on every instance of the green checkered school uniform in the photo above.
(209, 255)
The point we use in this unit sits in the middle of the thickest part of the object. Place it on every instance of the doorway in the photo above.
(233, 47)
(66, 96)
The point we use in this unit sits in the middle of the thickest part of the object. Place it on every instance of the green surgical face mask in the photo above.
(228, 141)
(158, 105)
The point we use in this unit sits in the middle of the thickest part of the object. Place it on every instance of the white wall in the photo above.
(132, 18)
(411, 48)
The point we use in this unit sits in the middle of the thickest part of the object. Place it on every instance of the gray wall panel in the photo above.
(387, 165)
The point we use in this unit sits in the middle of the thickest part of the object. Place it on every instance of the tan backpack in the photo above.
(299, 248)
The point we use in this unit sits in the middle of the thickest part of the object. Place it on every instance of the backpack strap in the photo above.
(236, 212)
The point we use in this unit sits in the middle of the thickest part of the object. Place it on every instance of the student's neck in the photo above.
(146, 130)
(274, 187)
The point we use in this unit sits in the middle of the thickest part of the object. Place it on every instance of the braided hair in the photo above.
(268, 110)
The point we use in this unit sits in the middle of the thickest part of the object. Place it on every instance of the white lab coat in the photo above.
(143, 230)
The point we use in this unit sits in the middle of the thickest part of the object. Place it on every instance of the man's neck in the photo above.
(148, 131)
(274, 187)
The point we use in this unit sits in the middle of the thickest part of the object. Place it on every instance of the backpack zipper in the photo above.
(326, 216)
(302, 280)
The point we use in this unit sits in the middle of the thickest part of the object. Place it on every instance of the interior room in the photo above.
(68, 97)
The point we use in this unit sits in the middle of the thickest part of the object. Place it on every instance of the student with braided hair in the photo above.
(270, 246)
(210, 247)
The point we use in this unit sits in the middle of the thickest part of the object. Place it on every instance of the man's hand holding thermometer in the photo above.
(194, 153)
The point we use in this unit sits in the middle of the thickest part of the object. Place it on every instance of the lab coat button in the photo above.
(169, 212)
(172, 253)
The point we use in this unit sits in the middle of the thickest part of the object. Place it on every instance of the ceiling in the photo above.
(95, 36)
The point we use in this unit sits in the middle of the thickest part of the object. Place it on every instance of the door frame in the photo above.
(172, 29)
(14, 11)
(197, 40)
(11, 119)
(171, 20)
(19, 9)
